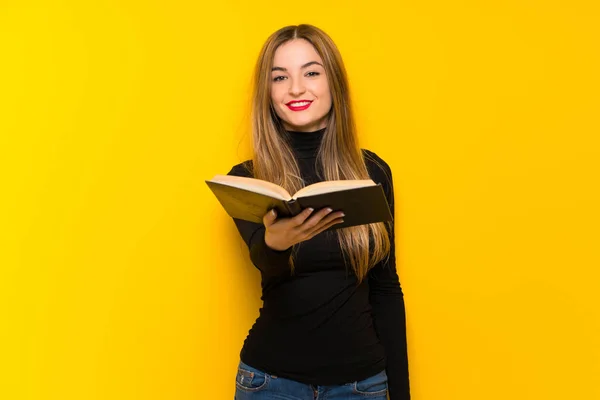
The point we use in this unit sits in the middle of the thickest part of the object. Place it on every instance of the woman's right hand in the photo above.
(283, 233)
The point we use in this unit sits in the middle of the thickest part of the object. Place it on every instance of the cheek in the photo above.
(326, 98)
(323, 90)
(276, 95)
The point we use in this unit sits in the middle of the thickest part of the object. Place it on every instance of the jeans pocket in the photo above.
(251, 379)
(376, 385)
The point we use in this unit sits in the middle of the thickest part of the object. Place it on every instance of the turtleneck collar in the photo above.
(306, 144)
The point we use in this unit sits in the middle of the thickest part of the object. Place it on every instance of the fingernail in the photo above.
(342, 215)
(329, 210)
(311, 209)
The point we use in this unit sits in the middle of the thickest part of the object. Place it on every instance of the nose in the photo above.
(296, 87)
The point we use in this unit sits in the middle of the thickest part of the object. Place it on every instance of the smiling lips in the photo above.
(299, 105)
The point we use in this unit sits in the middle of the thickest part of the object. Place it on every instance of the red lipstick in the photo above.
(292, 105)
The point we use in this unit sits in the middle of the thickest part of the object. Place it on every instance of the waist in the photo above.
(319, 364)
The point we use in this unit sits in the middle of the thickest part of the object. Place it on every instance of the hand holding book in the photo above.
(363, 201)
(283, 233)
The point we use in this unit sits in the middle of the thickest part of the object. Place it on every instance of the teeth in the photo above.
(300, 104)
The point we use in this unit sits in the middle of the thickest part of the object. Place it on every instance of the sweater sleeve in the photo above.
(269, 261)
(387, 302)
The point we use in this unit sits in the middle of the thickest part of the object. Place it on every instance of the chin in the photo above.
(311, 125)
(303, 127)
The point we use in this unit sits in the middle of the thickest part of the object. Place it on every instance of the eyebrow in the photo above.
(308, 64)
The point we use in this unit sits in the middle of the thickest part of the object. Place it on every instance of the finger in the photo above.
(324, 221)
(315, 219)
(300, 218)
(330, 217)
(325, 227)
(270, 218)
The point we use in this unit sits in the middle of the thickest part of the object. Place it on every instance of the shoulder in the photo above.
(242, 169)
(378, 168)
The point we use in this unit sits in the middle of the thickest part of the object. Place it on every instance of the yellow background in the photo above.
(122, 278)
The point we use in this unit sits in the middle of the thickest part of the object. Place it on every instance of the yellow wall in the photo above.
(122, 278)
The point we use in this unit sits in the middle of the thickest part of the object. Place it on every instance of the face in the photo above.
(299, 89)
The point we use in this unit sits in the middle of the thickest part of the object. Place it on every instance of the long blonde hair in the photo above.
(339, 155)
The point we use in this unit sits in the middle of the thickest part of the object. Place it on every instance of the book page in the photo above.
(253, 185)
(332, 186)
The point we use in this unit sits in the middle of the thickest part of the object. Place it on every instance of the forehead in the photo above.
(295, 53)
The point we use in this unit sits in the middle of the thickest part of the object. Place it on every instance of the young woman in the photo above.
(332, 325)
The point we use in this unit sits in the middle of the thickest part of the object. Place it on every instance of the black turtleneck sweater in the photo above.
(316, 326)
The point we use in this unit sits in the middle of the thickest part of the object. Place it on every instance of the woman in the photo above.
(332, 325)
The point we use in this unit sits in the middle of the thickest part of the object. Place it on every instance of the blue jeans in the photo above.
(254, 384)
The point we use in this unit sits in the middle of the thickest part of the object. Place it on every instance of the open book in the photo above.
(363, 201)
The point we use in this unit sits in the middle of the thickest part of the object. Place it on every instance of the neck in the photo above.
(306, 144)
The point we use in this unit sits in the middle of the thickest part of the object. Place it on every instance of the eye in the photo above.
(276, 79)
(313, 72)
